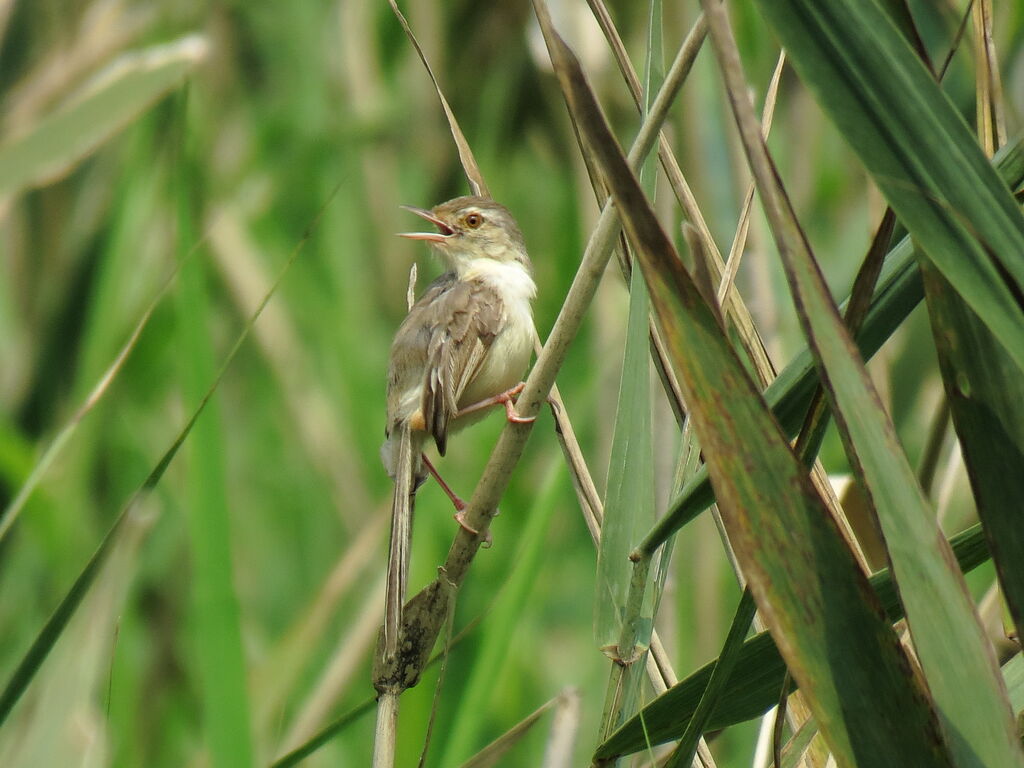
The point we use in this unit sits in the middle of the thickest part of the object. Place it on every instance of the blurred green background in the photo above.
(238, 612)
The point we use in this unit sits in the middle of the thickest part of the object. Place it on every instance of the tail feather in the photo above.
(401, 536)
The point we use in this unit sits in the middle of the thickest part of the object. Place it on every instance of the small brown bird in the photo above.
(463, 347)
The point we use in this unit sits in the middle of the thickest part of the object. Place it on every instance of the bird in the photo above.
(462, 349)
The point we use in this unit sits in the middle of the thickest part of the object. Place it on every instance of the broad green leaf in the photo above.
(807, 585)
(986, 396)
(627, 593)
(756, 681)
(950, 643)
(125, 89)
(917, 147)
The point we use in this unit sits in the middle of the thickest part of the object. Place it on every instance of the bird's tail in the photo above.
(401, 538)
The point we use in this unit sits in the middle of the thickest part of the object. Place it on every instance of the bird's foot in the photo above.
(506, 398)
(509, 399)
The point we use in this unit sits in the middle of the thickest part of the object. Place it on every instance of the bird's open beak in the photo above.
(444, 231)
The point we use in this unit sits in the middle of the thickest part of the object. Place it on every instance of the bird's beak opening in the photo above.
(441, 236)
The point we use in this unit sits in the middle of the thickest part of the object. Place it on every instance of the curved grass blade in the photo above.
(724, 666)
(753, 687)
(54, 626)
(115, 97)
(847, 659)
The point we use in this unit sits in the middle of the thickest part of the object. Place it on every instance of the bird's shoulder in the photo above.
(457, 308)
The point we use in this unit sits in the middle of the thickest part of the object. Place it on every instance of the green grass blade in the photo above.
(795, 748)
(898, 292)
(51, 631)
(986, 396)
(724, 666)
(116, 97)
(629, 502)
(753, 687)
(920, 152)
(324, 735)
(847, 659)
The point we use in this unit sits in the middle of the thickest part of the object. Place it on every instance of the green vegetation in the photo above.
(199, 282)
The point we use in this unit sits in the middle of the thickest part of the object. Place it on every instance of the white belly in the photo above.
(509, 355)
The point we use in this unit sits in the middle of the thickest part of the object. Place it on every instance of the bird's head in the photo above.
(470, 228)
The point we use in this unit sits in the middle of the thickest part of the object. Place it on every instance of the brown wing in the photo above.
(441, 346)
(408, 358)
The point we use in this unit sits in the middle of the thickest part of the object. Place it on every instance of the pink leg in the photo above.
(507, 399)
(460, 505)
(456, 499)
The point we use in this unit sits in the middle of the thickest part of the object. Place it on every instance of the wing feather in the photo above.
(465, 321)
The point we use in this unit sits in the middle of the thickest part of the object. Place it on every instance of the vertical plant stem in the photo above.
(386, 734)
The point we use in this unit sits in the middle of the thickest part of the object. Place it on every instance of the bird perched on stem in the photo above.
(462, 348)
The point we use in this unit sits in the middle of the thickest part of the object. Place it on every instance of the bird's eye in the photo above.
(474, 220)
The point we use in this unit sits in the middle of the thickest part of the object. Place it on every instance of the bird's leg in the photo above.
(456, 499)
(506, 398)
(457, 502)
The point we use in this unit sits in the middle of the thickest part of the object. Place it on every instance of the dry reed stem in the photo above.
(558, 753)
(473, 174)
(386, 733)
(734, 305)
(332, 683)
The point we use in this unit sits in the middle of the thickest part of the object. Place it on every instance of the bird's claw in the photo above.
(487, 542)
(509, 399)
